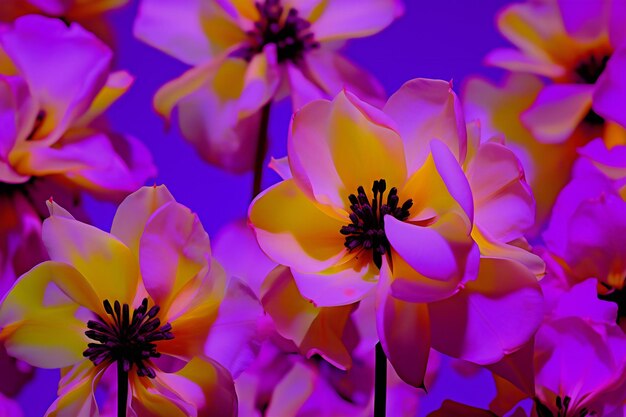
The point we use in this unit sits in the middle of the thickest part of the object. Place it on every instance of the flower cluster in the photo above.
(476, 243)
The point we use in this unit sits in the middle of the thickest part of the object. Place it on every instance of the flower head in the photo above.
(412, 241)
(144, 297)
(581, 48)
(249, 53)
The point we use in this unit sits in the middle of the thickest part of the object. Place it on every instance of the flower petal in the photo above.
(117, 85)
(185, 38)
(333, 72)
(354, 19)
(133, 214)
(585, 22)
(344, 284)
(313, 329)
(610, 90)
(518, 61)
(294, 231)
(202, 388)
(39, 316)
(41, 47)
(504, 203)
(440, 117)
(173, 250)
(559, 108)
(335, 147)
(77, 392)
(105, 262)
(493, 316)
(404, 330)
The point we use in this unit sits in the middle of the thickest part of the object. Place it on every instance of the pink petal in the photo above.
(185, 38)
(440, 117)
(505, 206)
(133, 213)
(404, 330)
(174, 249)
(585, 21)
(492, 316)
(41, 48)
(252, 268)
(612, 162)
(519, 61)
(302, 89)
(354, 19)
(333, 73)
(558, 109)
(610, 93)
(342, 285)
(617, 34)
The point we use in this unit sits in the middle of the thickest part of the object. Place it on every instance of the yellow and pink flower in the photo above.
(144, 297)
(414, 248)
(246, 54)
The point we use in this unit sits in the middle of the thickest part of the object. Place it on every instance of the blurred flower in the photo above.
(52, 141)
(578, 362)
(246, 54)
(414, 248)
(89, 13)
(152, 279)
(579, 48)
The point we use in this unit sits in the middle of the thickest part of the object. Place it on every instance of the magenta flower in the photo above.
(415, 250)
(246, 54)
(581, 47)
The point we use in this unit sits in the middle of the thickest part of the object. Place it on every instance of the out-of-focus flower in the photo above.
(246, 54)
(578, 361)
(413, 247)
(89, 13)
(151, 279)
(579, 48)
(51, 140)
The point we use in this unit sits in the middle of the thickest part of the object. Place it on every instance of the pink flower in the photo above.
(416, 254)
(152, 278)
(246, 54)
(581, 47)
(48, 143)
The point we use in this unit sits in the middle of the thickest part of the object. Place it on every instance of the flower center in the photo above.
(618, 296)
(367, 229)
(562, 408)
(289, 33)
(589, 70)
(125, 339)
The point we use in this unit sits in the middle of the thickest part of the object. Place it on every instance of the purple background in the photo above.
(444, 39)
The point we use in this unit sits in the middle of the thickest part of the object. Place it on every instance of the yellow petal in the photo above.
(105, 262)
(117, 84)
(39, 316)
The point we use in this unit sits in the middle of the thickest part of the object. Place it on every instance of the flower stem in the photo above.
(261, 149)
(380, 387)
(122, 390)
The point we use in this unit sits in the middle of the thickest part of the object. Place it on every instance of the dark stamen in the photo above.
(590, 69)
(367, 227)
(128, 341)
(288, 31)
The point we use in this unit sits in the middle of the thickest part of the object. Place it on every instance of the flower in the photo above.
(151, 279)
(52, 143)
(578, 50)
(578, 46)
(246, 54)
(410, 242)
(89, 13)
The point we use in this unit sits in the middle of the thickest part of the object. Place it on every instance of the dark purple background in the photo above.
(444, 39)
